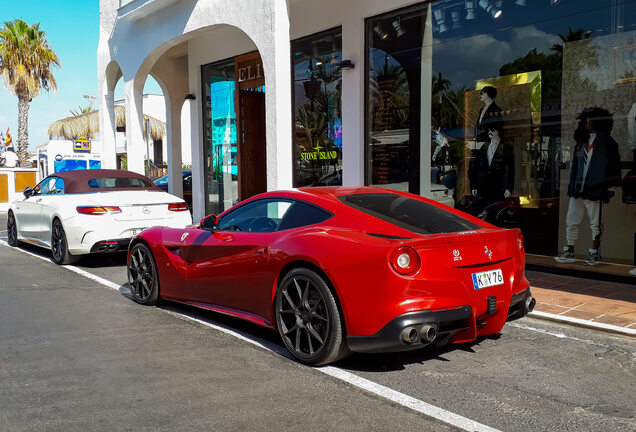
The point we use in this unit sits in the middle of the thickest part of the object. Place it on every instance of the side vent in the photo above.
(387, 236)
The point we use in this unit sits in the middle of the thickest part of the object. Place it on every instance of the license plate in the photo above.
(136, 231)
(487, 279)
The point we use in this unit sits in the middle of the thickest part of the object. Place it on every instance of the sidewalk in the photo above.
(605, 305)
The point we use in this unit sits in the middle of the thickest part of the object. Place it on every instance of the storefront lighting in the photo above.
(456, 19)
(346, 64)
(470, 10)
(399, 31)
(440, 19)
(490, 8)
(381, 33)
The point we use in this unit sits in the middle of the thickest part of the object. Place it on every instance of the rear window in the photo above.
(120, 183)
(408, 213)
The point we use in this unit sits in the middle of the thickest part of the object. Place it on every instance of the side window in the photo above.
(257, 216)
(56, 186)
(45, 186)
(302, 214)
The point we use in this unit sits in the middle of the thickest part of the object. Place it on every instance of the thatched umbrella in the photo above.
(88, 125)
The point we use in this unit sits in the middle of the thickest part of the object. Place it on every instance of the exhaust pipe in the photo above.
(409, 335)
(428, 333)
(530, 303)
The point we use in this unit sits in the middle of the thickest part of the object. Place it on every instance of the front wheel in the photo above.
(142, 275)
(59, 245)
(12, 230)
(308, 319)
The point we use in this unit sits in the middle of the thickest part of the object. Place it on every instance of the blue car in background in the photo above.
(162, 182)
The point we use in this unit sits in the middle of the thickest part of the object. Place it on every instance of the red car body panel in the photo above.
(237, 272)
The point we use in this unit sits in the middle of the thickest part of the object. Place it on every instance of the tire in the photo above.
(12, 230)
(59, 245)
(308, 319)
(142, 275)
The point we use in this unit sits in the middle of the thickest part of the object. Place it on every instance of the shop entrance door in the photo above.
(252, 161)
(250, 102)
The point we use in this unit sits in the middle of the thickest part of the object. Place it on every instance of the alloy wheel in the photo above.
(142, 275)
(304, 317)
(12, 230)
(58, 242)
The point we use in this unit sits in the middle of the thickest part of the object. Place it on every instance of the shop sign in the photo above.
(319, 155)
(251, 72)
(82, 145)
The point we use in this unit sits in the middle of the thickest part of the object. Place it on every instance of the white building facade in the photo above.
(292, 93)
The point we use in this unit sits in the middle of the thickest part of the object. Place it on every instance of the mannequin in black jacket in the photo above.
(492, 169)
(595, 169)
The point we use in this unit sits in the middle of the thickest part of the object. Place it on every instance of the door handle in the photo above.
(262, 252)
(38, 200)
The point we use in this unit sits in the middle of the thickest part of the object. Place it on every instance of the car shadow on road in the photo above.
(387, 362)
(269, 339)
(100, 260)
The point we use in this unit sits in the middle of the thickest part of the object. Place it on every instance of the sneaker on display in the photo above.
(566, 256)
(633, 271)
(593, 257)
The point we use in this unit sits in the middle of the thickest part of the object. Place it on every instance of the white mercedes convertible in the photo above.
(91, 211)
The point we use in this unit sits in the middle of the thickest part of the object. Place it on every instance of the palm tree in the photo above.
(80, 110)
(26, 58)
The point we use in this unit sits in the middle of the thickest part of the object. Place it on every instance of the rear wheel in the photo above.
(12, 230)
(308, 319)
(142, 275)
(59, 245)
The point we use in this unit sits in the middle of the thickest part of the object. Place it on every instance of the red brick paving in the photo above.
(591, 300)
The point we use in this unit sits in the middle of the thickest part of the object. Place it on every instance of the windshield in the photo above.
(408, 213)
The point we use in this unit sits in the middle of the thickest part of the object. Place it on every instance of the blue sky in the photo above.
(72, 27)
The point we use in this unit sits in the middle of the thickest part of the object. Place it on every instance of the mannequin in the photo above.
(595, 171)
(492, 169)
(488, 114)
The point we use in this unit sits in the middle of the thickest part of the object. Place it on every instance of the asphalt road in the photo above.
(75, 355)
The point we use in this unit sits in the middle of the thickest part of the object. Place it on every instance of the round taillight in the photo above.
(405, 260)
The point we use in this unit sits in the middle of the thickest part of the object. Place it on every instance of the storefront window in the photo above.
(219, 135)
(317, 109)
(525, 110)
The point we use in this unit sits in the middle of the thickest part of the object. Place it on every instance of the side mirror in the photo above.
(208, 222)
(28, 191)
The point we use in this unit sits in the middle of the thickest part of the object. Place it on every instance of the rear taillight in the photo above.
(90, 210)
(520, 241)
(405, 260)
(177, 207)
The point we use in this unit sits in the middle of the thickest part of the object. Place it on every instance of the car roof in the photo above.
(77, 181)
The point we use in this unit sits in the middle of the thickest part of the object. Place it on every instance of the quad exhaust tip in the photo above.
(409, 335)
(428, 333)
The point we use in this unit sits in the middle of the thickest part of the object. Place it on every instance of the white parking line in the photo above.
(352, 379)
(583, 323)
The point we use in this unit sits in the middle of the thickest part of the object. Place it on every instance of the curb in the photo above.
(583, 323)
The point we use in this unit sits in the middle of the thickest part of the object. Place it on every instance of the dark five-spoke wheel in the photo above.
(12, 230)
(308, 319)
(59, 245)
(142, 275)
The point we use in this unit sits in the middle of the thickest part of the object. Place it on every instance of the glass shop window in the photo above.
(524, 109)
(317, 109)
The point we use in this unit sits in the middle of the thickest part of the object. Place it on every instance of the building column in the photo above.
(353, 147)
(135, 134)
(173, 136)
(107, 126)
(278, 105)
